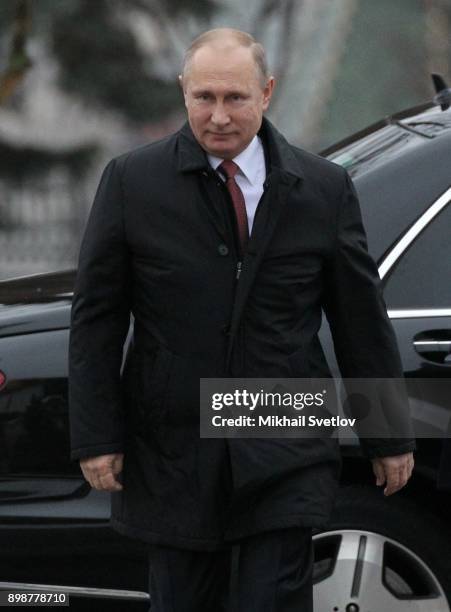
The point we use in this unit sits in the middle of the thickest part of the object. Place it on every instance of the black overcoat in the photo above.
(160, 244)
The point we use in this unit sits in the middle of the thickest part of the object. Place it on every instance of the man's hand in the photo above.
(395, 471)
(101, 471)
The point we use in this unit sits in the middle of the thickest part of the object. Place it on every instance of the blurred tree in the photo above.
(438, 34)
(96, 47)
(383, 69)
(101, 58)
(284, 12)
(18, 60)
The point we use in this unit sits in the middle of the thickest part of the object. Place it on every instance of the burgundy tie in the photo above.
(229, 168)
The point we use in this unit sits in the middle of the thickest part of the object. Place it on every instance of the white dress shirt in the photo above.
(250, 177)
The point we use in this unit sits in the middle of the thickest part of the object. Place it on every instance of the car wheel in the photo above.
(381, 554)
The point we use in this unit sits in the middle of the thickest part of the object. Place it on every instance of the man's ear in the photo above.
(267, 92)
(182, 87)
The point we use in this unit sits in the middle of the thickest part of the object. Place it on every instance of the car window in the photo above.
(374, 149)
(422, 277)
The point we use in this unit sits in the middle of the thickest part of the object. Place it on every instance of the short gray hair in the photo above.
(243, 39)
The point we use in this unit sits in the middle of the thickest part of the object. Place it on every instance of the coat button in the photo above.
(226, 330)
(223, 249)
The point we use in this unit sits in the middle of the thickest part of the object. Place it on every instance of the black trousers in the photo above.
(268, 572)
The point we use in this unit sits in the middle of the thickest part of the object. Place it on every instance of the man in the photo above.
(226, 268)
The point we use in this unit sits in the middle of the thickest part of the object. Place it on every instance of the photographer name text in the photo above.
(281, 421)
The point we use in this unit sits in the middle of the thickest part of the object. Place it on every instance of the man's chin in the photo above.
(220, 148)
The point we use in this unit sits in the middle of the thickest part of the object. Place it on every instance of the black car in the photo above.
(377, 554)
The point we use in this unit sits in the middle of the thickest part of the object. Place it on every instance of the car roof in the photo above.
(37, 288)
(400, 166)
(36, 303)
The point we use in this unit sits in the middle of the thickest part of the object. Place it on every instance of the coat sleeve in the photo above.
(364, 340)
(99, 323)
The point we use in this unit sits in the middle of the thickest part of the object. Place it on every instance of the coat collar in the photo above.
(192, 157)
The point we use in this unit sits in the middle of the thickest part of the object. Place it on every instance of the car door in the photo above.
(53, 528)
(417, 289)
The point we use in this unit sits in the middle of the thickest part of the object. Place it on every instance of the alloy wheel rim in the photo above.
(359, 571)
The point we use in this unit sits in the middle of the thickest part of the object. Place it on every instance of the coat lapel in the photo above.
(284, 175)
(192, 159)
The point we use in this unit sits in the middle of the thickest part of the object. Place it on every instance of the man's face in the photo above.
(225, 99)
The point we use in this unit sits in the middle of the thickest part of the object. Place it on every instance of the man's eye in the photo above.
(202, 97)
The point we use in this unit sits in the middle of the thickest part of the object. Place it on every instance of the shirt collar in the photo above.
(249, 160)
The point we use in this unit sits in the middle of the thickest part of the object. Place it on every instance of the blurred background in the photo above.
(84, 80)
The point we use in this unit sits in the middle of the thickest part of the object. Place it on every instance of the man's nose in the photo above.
(220, 116)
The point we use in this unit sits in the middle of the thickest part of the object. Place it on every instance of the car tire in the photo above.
(381, 553)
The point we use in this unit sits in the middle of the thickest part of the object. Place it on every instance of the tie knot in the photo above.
(229, 168)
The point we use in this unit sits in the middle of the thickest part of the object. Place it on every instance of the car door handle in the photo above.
(438, 346)
(434, 346)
